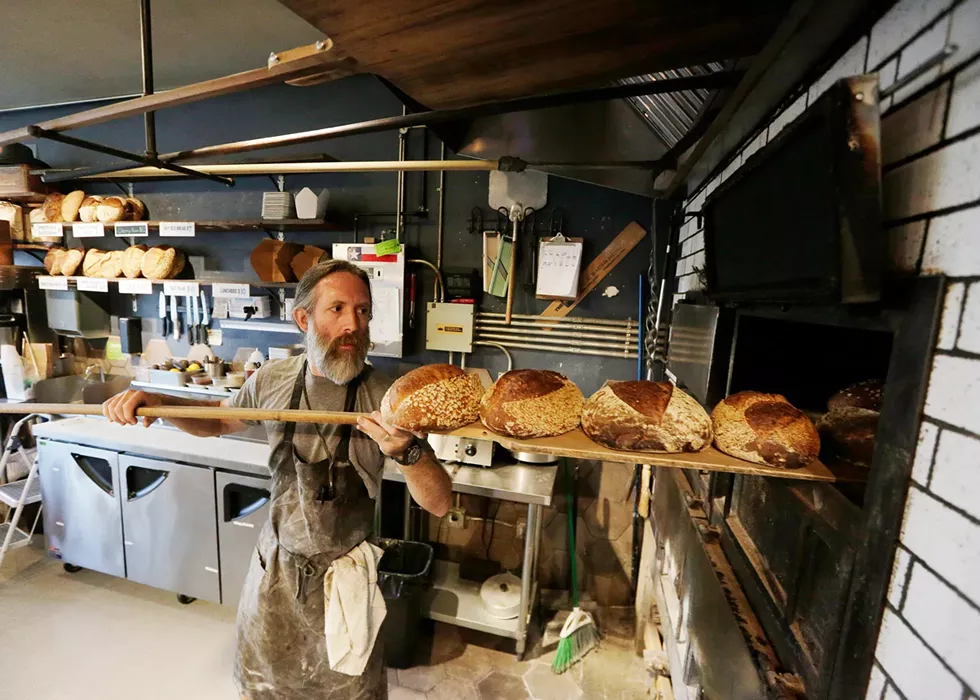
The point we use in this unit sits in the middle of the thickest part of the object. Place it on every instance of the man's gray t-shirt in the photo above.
(271, 387)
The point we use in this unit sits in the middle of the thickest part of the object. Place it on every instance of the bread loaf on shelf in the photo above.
(135, 209)
(72, 261)
(162, 262)
(52, 207)
(87, 211)
(646, 416)
(112, 265)
(433, 398)
(93, 261)
(37, 216)
(765, 429)
(530, 403)
(866, 394)
(13, 214)
(848, 434)
(133, 260)
(53, 260)
(71, 204)
(111, 209)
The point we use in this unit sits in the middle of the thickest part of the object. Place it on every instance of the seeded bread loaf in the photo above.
(53, 260)
(432, 399)
(530, 403)
(646, 416)
(765, 429)
(133, 260)
(72, 261)
(162, 262)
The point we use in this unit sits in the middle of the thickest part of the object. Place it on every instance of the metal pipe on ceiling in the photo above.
(146, 44)
(522, 104)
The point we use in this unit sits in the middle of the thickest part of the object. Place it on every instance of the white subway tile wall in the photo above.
(929, 644)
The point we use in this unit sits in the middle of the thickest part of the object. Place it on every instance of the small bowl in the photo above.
(234, 380)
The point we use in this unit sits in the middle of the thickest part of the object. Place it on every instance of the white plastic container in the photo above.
(14, 376)
(310, 205)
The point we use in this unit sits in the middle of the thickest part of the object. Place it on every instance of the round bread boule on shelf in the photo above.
(72, 261)
(432, 399)
(532, 403)
(646, 416)
(111, 209)
(53, 260)
(133, 260)
(765, 429)
(71, 204)
(87, 211)
(848, 434)
(52, 207)
(866, 394)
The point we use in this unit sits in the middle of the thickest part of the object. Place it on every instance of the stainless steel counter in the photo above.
(239, 455)
(518, 483)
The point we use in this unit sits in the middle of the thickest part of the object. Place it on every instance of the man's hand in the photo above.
(392, 441)
(121, 408)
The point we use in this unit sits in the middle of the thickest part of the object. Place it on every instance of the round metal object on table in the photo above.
(534, 457)
(501, 596)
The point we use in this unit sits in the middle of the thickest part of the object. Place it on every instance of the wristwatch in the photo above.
(411, 455)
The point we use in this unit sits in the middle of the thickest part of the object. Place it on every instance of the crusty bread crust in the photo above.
(765, 429)
(530, 403)
(432, 399)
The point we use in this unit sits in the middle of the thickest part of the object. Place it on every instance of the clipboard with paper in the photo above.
(559, 266)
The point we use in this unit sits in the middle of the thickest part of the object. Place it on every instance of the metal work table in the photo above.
(456, 601)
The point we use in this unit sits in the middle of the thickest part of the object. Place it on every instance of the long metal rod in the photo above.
(441, 220)
(38, 132)
(400, 203)
(625, 340)
(440, 293)
(118, 172)
(372, 126)
(587, 349)
(492, 344)
(555, 320)
(146, 42)
(629, 331)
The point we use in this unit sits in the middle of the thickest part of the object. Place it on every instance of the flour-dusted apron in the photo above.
(319, 512)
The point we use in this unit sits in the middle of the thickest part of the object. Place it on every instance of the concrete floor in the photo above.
(87, 635)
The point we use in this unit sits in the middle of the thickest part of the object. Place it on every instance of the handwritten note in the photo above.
(135, 286)
(92, 284)
(231, 291)
(47, 230)
(54, 283)
(180, 229)
(180, 289)
(559, 265)
(92, 230)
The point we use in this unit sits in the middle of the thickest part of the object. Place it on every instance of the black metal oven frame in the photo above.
(864, 536)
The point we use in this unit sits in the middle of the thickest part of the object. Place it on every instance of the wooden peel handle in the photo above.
(202, 412)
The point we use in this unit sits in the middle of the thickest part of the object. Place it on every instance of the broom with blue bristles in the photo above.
(578, 635)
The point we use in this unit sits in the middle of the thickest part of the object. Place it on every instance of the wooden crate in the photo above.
(16, 182)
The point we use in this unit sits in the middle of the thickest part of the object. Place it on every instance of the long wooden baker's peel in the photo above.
(298, 63)
(597, 270)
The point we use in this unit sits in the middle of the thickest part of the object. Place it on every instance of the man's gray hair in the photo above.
(306, 289)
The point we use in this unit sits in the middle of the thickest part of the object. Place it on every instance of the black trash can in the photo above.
(403, 574)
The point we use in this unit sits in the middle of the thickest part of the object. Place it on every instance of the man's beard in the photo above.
(336, 364)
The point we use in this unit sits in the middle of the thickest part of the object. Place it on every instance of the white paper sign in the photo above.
(59, 283)
(177, 288)
(231, 291)
(47, 230)
(93, 230)
(128, 286)
(558, 269)
(92, 284)
(215, 338)
(177, 229)
(132, 228)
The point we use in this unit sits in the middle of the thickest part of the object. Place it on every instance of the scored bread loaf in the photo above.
(87, 211)
(71, 204)
(53, 260)
(646, 416)
(529, 403)
(111, 209)
(433, 398)
(133, 260)
(162, 262)
(135, 209)
(93, 262)
(765, 429)
(52, 207)
(112, 265)
(72, 261)
(37, 216)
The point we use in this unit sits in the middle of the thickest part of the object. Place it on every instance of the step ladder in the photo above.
(18, 494)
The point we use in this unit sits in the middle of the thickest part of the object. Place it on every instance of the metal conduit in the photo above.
(440, 286)
(568, 350)
(619, 347)
(499, 346)
(625, 339)
(540, 327)
(553, 320)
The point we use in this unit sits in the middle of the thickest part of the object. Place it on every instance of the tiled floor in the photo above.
(86, 635)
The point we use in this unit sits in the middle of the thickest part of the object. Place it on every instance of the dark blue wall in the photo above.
(595, 213)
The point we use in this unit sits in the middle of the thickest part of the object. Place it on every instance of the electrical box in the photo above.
(387, 273)
(462, 285)
(449, 327)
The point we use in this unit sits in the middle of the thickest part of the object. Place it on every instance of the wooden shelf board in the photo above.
(205, 282)
(577, 445)
(217, 226)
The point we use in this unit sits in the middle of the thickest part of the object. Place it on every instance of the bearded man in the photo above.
(324, 485)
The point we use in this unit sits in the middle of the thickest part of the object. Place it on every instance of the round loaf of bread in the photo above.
(646, 417)
(111, 209)
(133, 260)
(765, 429)
(72, 261)
(866, 394)
(52, 207)
(112, 265)
(93, 262)
(53, 260)
(37, 216)
(432, 399)
(135, 209)
(161, 262)
(87, 211)
(848, 434)
(71, 204)
(530, 403)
